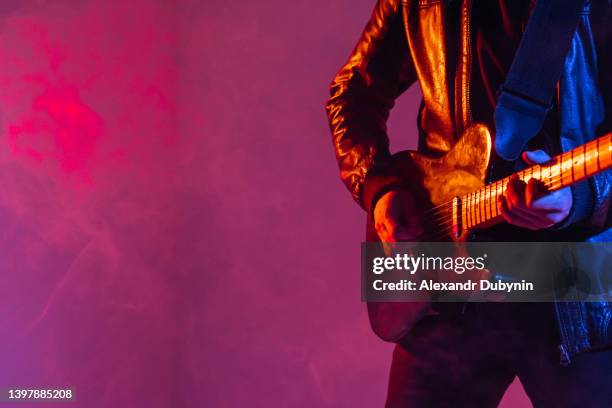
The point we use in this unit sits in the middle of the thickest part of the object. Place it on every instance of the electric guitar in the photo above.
(453, 200)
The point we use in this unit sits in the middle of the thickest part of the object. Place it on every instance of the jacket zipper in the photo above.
(463, 112)
(564, 355)
(468, 74)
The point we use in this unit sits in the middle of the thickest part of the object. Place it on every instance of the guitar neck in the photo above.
(479, 208)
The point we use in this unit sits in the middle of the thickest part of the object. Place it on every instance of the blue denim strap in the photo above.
(529, 87)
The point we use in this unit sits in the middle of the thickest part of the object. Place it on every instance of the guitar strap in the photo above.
(527, 93)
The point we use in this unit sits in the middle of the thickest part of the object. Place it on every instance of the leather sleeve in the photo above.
(379, 69)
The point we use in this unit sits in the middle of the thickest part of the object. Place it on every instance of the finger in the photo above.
(517, 206)
(528, 215)
(515, 193)
(521, 212)
(529, 220)
(509, 217)
(518, 195)
(538, 197)
(504, 211)
(534, 191)
(535, 157)
(549, 204)
(522, 219)
(535, 218)
(552, 215)
(559, 201)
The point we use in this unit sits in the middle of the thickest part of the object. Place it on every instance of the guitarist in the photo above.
(460, 52)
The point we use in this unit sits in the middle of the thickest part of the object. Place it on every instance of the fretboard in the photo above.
(561, 171)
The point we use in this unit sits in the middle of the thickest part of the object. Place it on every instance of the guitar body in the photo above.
(452, 198)
(433, 181)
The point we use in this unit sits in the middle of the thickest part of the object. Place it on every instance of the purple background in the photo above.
(174, 232)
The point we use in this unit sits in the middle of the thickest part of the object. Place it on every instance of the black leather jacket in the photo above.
(432, 42)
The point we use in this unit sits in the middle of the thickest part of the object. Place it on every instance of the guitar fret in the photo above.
(473, 199)
(479, 201)
(580, 163)
(609, 156)
(566, 171)
(463, 213)
(488, 194)
(466, 211)
(477, 205)
(474, 218)
(606, 152)
(484, 204)
(500, 189)
(471, 209)
(558, 172)
(495, 199)
(546, 172)
(478, 208)
(598, 154)
(476, 213)
(487, 202)
(571, 153)
(492, 200)
(591, 164)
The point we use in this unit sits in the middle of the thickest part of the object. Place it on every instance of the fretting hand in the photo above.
(530, 205)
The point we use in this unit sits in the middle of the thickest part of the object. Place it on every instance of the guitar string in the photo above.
(439, 213)
(444, 219)
(491, 190)
(552, 182)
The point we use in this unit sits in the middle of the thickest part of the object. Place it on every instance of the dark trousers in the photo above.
(468, 359)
